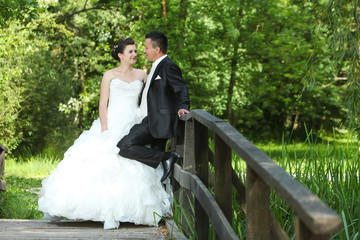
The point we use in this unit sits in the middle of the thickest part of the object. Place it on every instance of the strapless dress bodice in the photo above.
(124, 95)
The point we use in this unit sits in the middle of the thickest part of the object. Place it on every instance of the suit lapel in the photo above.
(157, 70)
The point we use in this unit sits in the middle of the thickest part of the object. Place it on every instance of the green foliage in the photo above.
(23, 10)
(339, 24)
(262, 66)
(16, 47)
(280, 44)
(32, 85)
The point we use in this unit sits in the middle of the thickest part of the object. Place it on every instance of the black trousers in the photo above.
(134, 145)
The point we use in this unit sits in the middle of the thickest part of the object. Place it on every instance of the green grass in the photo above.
(328, 169)
(23, 179)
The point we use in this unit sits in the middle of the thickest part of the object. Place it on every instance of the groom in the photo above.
(164, 99)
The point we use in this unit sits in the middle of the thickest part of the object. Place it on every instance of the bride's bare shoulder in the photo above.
(140, 74)
(108, 75)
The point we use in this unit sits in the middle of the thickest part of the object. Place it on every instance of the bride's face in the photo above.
(129, 55)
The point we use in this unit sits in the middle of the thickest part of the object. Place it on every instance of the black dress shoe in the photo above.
(168, 165)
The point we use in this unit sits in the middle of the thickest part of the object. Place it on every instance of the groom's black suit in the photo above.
(166, 95)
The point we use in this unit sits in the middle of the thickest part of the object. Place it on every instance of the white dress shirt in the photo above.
(143, 104)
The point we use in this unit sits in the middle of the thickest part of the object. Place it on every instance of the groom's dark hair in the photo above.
(158, 39)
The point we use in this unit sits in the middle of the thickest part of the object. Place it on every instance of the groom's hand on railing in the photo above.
(182, 111)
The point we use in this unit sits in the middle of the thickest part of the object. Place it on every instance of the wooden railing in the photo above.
(3, 150)
(313, 218)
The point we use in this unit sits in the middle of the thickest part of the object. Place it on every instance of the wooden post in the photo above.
(223, 177)
(302, 232)
(189, 148)
(257, 207)
(176, 145)
(201, 169)
(187, 199)
(3, 150)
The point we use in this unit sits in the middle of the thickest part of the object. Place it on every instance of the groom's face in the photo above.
(150, 52)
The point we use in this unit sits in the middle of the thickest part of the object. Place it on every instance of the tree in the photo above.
(22, 10)
(250, 62)
(31, 83)
(339, 24)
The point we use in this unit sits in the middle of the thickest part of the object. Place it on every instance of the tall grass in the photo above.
(23, 178)
(329, 169)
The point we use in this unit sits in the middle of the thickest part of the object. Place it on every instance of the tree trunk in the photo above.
(234, 62)
(182, 21)
(164, 8)
(82, 84)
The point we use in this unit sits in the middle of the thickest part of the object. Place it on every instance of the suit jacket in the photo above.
(167, 94)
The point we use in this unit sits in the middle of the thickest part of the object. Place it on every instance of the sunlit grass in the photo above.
(34, 167)
(23, 179)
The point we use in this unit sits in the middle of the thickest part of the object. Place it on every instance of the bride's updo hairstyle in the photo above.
(119, 47)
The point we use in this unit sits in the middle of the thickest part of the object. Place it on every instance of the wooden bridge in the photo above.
(40, 229)
(313, 218)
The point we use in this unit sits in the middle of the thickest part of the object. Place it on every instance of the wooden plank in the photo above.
(223, 177)
(3, 148)
(2, 185)
(257, 207)
(318, 217)
(41, 229)
(173, 230)
(200, 191)
(201, 169)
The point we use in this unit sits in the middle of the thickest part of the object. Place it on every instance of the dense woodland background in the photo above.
(268, 67)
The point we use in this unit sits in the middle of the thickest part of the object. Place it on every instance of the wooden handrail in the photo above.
(195, 185)
(314, 219)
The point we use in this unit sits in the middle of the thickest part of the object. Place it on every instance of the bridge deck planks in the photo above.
(42, 229)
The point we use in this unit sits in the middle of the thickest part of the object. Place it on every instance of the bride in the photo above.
(93, 182)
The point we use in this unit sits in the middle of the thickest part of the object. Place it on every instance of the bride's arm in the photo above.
(104, 98)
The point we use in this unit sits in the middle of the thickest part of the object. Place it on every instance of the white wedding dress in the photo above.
(93, 182)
